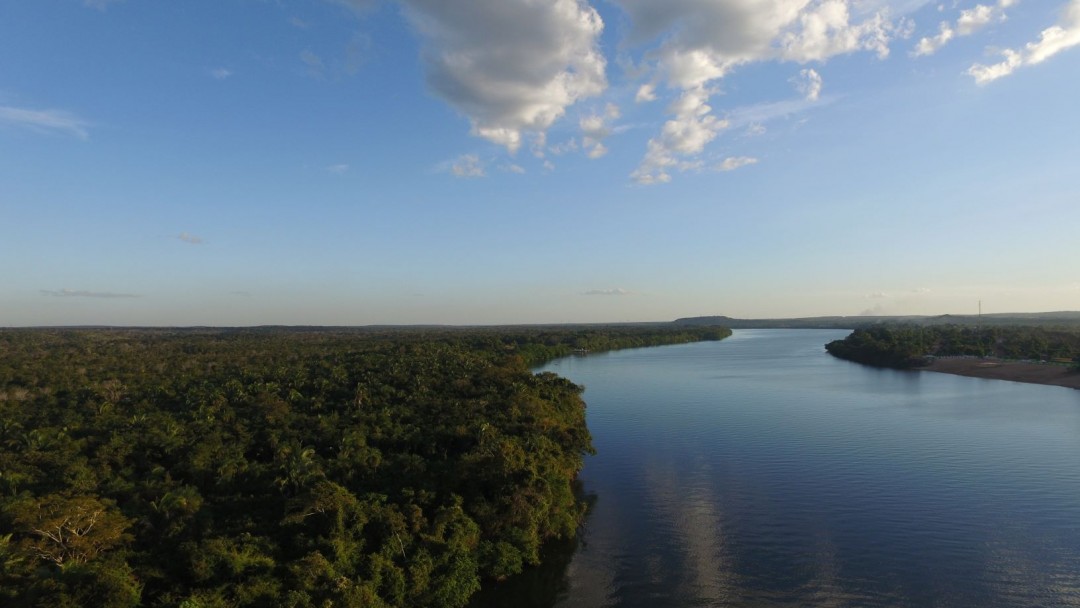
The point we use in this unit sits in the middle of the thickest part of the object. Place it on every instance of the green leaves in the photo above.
(210, 468)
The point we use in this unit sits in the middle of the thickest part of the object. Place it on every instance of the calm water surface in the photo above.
(760, 471)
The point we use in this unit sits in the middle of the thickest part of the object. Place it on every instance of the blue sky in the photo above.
(247, 162)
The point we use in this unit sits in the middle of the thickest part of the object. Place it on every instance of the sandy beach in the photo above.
(1035, 373)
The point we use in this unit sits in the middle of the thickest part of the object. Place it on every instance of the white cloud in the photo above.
(930, 45)
(702, 41)
(877, 295)
(681, 139)
(809, 83)
(339, 169)
(617, 291)
(512, 168)
(467, 165)
(190, 239)
(44, 121)
(565, 147)
(755, 129)
(511, 67)
(826, 30)
(82, 293)
(595, 128)
(1052, 40)
(646, 93)
(221, 73)
(970, 21)
(735, 162)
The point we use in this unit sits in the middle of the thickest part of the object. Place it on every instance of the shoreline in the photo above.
(1015, 371)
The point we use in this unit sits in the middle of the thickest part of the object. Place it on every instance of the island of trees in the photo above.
(908, 346)
(292, 468)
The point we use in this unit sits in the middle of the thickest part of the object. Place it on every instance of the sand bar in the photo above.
(1034, 373)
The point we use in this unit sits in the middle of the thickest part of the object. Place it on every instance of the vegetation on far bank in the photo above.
(269, 467)
(906, 346)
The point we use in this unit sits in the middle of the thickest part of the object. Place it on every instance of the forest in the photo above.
(285, 467)
(906, 346)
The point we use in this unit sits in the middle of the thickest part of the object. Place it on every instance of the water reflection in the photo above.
(761, 472)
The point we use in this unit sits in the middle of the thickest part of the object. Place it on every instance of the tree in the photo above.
(70, 530)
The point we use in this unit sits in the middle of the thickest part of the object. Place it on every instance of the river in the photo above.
(760, 471)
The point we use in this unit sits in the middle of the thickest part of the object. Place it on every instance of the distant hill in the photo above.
(1039, 319)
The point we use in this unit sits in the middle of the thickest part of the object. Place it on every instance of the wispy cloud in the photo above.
(221, 73)
(809, 83)
(970, 21)
(616, 291)
(595, 128)
(339, 169)
(466, 165)
(45, 121)
(82, 293)
(190, 239)
(732, 163)
(699, 43)
(1052, 41)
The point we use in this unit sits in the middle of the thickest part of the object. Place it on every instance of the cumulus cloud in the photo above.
(190, 239)
(809, 83)
(702, 41)
(681, 139)
(1052, 40)
(646, 93)
(732, 163)
(970, 21)
(44, 121)
(512, 168)
(512, 67)
(617, 291)
(81, 293)
(467, 165)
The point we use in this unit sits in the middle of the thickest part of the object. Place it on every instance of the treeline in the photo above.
(905, 346)
(207, 468)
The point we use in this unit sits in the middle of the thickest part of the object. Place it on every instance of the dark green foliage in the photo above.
(290, 468)
(904, 346)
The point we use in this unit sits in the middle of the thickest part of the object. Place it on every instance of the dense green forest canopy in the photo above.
(905, 346)
(272, 467)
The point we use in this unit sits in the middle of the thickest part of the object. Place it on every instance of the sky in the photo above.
(350, 162)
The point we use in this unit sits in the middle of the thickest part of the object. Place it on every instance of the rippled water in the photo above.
(760, 471)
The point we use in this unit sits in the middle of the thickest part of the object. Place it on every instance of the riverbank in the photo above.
(1033, 373)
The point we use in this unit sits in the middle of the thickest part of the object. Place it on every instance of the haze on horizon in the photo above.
(352, 162)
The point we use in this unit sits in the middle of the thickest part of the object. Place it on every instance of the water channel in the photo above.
(760, 471)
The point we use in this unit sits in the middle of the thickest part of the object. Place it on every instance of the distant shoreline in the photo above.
(1015, 371)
